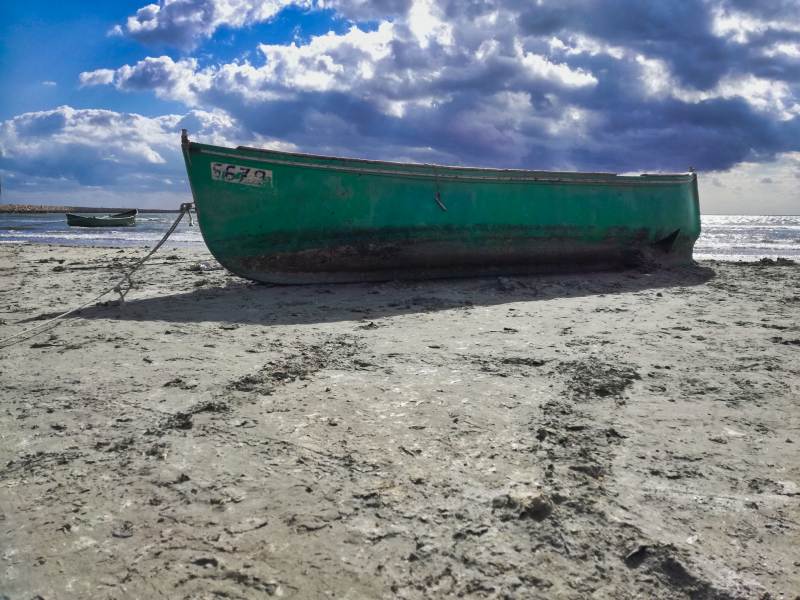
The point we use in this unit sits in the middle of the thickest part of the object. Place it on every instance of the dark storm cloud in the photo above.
(681, 33)
(712, 135)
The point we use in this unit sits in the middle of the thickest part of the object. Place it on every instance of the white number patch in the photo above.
(240, 174)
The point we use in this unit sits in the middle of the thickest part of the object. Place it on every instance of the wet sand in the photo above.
(611, 435)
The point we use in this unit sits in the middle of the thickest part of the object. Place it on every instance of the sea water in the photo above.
(748, 237)
(52, 228)
(724, 237)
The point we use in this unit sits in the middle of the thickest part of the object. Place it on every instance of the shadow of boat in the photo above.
(252, 303)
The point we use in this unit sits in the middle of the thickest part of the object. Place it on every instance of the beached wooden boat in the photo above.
(123, 219)
(297, 218)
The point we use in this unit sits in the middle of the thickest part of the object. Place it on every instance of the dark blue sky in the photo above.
(95, 93)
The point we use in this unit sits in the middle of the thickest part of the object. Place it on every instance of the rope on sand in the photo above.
(122, 287)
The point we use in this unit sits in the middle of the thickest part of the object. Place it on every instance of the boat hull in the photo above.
(126, 219)
(290, 218)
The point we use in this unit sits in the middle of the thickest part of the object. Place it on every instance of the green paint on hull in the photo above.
(293, 218)
(123, 219)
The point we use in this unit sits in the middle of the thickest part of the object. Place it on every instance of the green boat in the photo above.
(123, 219)
(284, 217)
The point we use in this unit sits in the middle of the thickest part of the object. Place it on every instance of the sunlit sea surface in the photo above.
(52, 229)
(724, 237)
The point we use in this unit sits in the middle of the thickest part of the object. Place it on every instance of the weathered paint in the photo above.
(296, 218)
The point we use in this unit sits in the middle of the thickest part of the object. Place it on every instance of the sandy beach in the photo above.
(611, 435)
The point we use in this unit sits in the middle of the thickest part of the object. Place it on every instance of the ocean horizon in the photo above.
(723, 237)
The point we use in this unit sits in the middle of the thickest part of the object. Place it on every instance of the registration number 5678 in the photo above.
(240, 174)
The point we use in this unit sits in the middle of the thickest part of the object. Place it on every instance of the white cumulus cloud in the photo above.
(184, 23)
(66, 148)
(179, 80)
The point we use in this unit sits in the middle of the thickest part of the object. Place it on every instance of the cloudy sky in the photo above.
(95, 93)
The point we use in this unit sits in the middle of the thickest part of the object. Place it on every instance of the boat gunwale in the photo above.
(447, 172)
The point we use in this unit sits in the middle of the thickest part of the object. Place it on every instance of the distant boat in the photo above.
(123, 219)
(298, 218)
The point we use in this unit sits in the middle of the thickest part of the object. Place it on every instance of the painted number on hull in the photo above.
(240, 174)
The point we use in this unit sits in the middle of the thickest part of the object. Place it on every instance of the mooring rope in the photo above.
(117, 287)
